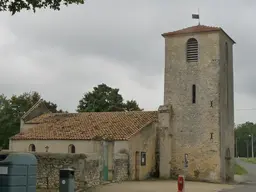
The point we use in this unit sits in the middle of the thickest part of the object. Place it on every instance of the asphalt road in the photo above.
(250, 185)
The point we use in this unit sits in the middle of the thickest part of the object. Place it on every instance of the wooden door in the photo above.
(137, 165)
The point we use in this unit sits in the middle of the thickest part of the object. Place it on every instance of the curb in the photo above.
(241, 179)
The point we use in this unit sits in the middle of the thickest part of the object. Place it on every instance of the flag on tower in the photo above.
(195, 16)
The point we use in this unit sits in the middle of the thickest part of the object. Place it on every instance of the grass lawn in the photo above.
(249, 160)
(240, 170)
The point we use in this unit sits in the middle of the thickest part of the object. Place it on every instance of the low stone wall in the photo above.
(121, 167)
(87, 169)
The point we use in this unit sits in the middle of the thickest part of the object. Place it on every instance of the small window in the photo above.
(193, 93)
(143, 158)
(32, 147)
(71, 149)
(192, 50)
(226, 52)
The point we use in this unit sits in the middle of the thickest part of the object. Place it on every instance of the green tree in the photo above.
(104, 98)
(243, 139)
(14, 6)
(22, 103)
(132, 105)
(11, 110)
(6, 120)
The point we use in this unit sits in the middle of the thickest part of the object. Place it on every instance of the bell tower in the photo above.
(198, 85)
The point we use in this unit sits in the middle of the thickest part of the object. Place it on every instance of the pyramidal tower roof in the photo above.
(195, 29)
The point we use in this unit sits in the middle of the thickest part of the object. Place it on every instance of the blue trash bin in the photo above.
(18, 172)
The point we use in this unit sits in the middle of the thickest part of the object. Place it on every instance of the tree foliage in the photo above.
(104, 98)
(11, 110)
(15, 6)
(243, 138)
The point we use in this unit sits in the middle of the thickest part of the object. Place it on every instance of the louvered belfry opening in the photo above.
(192, 50)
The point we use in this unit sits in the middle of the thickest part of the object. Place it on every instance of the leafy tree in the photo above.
(104, 98)
(5, 117)
(132, 105)
(25, 101)
(243, 139)
(14, 6)
(53, 107)
(11, 110)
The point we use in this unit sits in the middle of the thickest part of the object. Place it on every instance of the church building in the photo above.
(192, 133)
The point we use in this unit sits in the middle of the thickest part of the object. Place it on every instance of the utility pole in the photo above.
(252, 144)
(236, 148)
(247, 149)
(252, 147)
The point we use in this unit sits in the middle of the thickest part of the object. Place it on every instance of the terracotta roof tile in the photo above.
(193, 29)
(87, 126)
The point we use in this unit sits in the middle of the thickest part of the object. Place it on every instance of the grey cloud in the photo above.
(63, 54)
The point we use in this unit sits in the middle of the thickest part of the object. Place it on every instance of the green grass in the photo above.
(249, 160)
(240, 170)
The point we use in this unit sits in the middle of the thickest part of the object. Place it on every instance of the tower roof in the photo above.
(195, 29)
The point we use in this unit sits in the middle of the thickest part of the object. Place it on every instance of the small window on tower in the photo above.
(192, 50)
(193, 93)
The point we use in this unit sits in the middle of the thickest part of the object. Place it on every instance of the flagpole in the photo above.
(199, 17)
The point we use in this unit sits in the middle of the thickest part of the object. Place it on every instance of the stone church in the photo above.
(192, 133)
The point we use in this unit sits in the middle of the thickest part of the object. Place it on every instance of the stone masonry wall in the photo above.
(195, 126)
(88, 169)
(121, 167)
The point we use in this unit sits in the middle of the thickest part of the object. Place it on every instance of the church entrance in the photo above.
(227, 165)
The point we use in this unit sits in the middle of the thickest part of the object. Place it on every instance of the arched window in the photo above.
(71, 149)
(226, 52)
(192, 50)
(32, 147)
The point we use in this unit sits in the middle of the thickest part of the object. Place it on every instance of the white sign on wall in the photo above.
(3, 170)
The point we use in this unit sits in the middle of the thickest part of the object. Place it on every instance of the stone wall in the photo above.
(121, 167)
(88, 169)
(195, 125)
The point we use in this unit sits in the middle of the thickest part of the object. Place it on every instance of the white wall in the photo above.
(118, 145)
(56, 146)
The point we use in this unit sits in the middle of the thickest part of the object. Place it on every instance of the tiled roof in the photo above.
(195, 29)
(87, 126)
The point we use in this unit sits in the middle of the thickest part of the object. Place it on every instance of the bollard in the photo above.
(181, 183)
(67, 180)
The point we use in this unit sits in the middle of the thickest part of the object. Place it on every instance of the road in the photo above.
(250, 185)
(162, 186)
(251, 168)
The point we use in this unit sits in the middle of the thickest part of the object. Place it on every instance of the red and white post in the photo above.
(181, 183)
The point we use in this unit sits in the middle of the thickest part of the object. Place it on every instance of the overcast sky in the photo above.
(63, 54)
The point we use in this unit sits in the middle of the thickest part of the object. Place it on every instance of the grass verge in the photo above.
(240, 170)
(249, 160)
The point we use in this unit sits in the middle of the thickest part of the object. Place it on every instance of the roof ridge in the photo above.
(107, 112)
(32, 108)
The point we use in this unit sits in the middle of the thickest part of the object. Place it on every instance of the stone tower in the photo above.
(198, 85)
